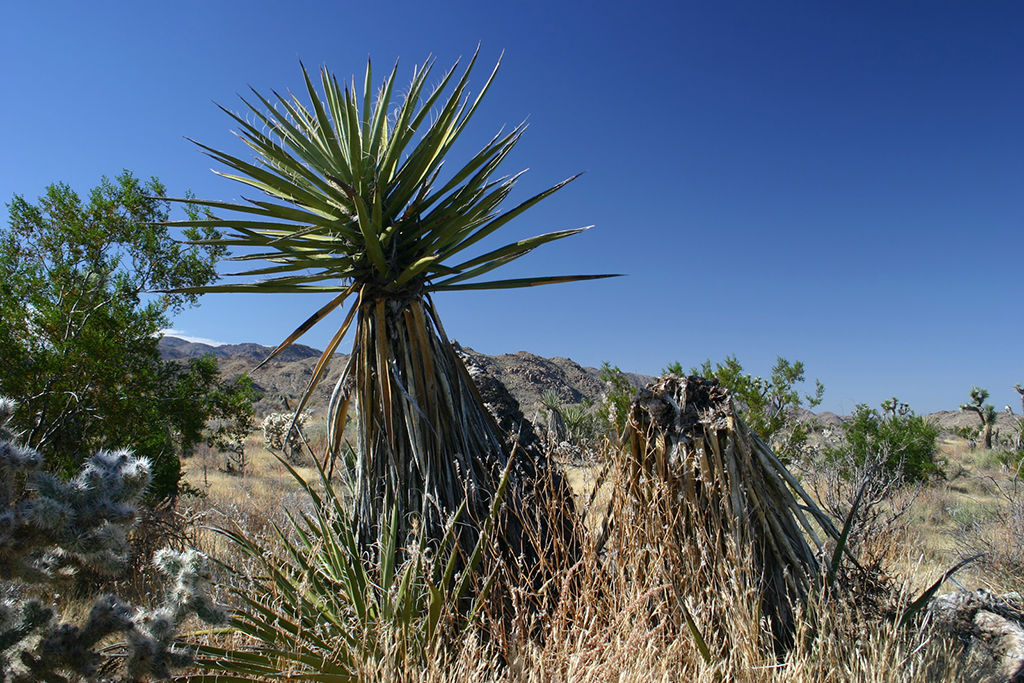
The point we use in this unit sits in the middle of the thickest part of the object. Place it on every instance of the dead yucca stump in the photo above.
(719, 504)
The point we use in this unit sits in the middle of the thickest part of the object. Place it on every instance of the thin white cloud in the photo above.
(180, 334)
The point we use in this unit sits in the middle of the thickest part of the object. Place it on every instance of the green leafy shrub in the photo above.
(897, 440)
(618, 394)
(967, 432)
(80, 325)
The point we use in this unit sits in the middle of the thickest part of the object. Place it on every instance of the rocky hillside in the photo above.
(284, 379)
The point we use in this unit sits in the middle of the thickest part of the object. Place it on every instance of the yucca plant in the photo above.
(355, 202)
(552, 403)
(315, 612)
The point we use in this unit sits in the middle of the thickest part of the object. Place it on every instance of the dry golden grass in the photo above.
(250, 499)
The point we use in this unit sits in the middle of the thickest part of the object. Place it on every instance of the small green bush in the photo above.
(898, 441)
(618, 394)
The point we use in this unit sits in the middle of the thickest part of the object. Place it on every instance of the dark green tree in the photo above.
(767, 405)
(79, 329)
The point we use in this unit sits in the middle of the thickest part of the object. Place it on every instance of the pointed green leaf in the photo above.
(517, 283)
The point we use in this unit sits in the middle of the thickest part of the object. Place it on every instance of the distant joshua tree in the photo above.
(894, 408)
(986, 412)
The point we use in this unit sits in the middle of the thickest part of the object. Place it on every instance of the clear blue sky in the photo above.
(840, 183)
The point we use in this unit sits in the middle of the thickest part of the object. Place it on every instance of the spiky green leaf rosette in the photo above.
(353, 201)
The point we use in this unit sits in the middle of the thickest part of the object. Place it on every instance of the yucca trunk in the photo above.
(426, 441)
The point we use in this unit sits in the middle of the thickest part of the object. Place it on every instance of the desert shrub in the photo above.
(49, 529)
(900, 442)
(877, 502)
(968, 432)
(996, 533)
(618, 394)
(79, 341)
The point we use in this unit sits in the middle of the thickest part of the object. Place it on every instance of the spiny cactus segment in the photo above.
(49, 528)
(66, 525)
(152, 640)
(274, 427)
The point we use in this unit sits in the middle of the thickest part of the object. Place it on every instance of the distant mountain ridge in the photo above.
(526, 375)
(175, 348)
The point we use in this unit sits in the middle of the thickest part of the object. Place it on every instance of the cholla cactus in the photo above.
(6, 411)
(274, 427)
(49, 528)
(152, 640)
(66, 524)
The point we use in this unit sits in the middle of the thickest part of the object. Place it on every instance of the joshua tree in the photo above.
(894, 408)
(355, 204)
(986, 412)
